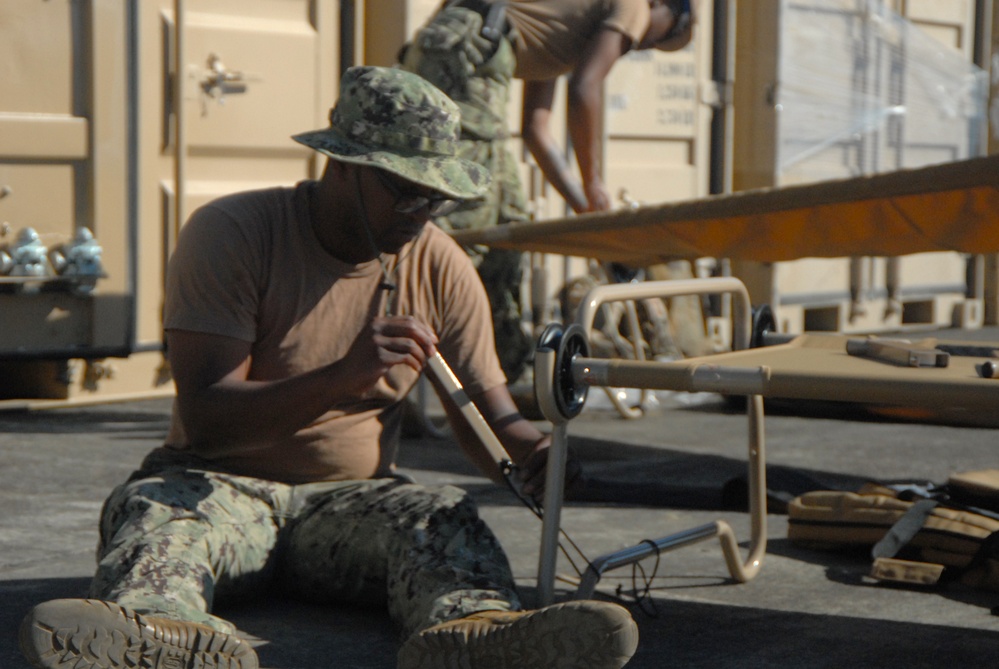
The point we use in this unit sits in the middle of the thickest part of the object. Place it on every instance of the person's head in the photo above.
(671, 25)
(396, 135)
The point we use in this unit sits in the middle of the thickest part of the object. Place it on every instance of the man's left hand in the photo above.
(533, 471)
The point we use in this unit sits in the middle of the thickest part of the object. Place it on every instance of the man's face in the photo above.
(398, 209)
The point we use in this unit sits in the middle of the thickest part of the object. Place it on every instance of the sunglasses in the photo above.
(410, 203)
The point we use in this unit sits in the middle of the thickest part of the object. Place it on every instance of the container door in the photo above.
(658, 121)
(63, 157)
(251, 74)
(120, 118)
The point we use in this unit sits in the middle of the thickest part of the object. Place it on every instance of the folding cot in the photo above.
(950, 207)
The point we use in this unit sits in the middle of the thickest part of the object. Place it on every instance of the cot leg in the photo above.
(740, 570)
(551, 520)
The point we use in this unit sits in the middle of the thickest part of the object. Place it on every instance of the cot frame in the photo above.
(812, 366)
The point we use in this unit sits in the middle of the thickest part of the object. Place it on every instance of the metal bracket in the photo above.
(898, 353)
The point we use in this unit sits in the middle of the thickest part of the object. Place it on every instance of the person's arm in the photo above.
(527, 446)
(224, 411)
(586, 111)
(536, 131)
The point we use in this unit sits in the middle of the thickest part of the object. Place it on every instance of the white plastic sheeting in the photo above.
(862, 90)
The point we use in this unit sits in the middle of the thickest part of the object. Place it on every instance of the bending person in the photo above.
(473, 49)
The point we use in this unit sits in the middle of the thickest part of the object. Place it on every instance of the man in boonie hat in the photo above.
(297, 320)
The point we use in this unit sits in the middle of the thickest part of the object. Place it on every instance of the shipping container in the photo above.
(120, 117)
(117, 119)
(831, 89)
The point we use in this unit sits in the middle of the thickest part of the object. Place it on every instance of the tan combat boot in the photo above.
(573, 635)
(99, 635)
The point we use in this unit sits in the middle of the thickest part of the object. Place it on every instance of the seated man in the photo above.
(297, 320)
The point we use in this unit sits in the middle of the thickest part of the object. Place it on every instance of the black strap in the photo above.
(944, 495)
(494, 25)
(902, 532)
(988, 549)
(493, 12)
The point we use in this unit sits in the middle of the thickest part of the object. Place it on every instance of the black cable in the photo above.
(509, 470)
(644, 598)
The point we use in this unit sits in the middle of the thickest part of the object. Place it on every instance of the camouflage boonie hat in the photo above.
(399, 122)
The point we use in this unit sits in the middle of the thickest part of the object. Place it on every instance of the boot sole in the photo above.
(574, 635)
(92, 634)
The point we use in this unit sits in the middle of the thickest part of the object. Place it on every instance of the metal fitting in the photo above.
(28, 255)
(79, 260)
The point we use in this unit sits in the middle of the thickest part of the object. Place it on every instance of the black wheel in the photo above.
(764, 323)
(567, 343)
(569, 395)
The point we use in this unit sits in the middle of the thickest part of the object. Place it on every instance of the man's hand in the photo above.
(524, 443)
(533, 471)
(597, 195)
(224, 410)
(389, 341)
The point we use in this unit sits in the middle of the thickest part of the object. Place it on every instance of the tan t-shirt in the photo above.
(553, 34)
(249, 266)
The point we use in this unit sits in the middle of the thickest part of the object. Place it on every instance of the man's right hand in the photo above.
(389, 341)
(597, 195)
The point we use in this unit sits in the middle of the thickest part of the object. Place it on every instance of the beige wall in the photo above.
(97, 144)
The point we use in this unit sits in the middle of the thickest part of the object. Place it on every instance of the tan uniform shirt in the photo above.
(552, 34)
(249, 266)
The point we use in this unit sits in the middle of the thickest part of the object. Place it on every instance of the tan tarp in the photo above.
(950, 207)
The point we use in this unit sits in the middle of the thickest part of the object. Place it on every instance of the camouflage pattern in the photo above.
(176, 539)
(393, 120)
(476, 73)
(451, 54)
(502, 273)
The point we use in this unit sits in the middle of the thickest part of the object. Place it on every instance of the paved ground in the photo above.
(652, 476)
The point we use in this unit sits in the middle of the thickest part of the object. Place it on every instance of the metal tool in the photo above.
(898, 353)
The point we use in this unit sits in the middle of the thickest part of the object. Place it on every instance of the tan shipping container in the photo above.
(99, 131)
(829, 89)
(121, 118)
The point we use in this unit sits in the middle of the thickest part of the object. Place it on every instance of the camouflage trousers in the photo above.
(502, 272)
(176, 539)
